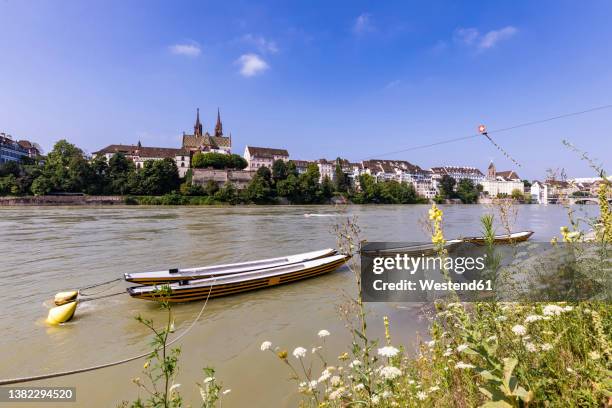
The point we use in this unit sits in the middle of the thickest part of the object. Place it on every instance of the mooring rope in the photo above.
(113, 363)
(95, 285)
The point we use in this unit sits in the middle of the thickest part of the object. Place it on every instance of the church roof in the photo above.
(194, 141)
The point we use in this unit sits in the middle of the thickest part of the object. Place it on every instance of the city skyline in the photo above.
(355, 81)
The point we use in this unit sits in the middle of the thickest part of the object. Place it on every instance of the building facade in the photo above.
(205, 142)
(11, 150)
(458, 173)
(140, 154)
(501, 183)
(258, 157)
(539, 192)
(238, 178)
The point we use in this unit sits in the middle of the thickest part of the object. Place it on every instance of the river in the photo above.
(50, 249)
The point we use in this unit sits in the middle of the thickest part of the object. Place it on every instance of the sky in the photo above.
(322, 79)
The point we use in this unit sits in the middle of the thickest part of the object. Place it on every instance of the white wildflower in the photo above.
(335, 381)
(375, 399)
(386, 394)
(531, 347)
(501, 318)
(533, 318)
(570, 370)
(552, 310)
(336, 393)
(360, 387)
(462, 347)
(314, 349)
(519, 330)
(266, 345)
(432, 343)
(323, 333)
(448, 352)
(411, 382)
(389, 372)
(388, 351)
(227, 391)
(421, 395)
(492, 338)
(594, 355)
(325, 375)
(434, 388)
(299, 352)
(546, 347)
(463, 365)
(568, 308)
(355, 363)
(208, 379)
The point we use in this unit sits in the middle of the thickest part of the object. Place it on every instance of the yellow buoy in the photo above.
(62, 298)
(61, 314)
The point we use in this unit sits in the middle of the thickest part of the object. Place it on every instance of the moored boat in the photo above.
(189, 290)
(502, 239)
(411, 249)
(177, 275)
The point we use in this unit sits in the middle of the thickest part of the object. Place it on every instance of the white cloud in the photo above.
(466, 35)
(363, 24)
(251, 65)
(473, 38)
(393, 84)
(264, 46)
(189, 50)
(494, 36)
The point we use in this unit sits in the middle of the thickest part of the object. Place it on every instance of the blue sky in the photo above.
(322, 79)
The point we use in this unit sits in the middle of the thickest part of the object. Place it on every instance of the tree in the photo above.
(122, 175)
(279, 171)
(214, 160)
(517, 194)
(327, 188)
(447, 186)
(228, 194)
(157, 177)
(292, 169)
(289, 188)
(467, 192)
(341, 177)
(235, 161)
(310, 191)
(258, 191)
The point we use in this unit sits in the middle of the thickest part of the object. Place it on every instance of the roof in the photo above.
(193, 141)
(26, 144)
(509, 174)
(267, 152)
(132, 150)
(391, 166)
(473, 171)
(301, 163)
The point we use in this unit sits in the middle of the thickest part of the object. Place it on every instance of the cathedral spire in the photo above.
(218, 126)
(197, 128)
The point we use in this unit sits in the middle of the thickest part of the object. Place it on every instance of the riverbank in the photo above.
(61, 200)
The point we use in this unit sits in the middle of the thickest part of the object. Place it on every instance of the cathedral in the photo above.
(205, 142)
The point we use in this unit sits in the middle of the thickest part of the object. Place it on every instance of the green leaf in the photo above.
(496, 404)
(509, 364)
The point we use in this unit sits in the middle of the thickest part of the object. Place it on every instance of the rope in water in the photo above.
(111, 364)
(95, 285)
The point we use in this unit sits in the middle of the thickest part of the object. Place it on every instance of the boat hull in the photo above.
(213, 289)
(502, 239)
(178, 275)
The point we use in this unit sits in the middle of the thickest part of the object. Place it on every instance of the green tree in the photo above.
(279, 171)
(467, 192)
(157, 177)
(517, 194)
(310, 191)
(447, 186)
(289, 188)
(235, 161)
(292, 169)
(258, 191)
(205, 160)
(327, 188)
(122, 175)
(228, 194)
(341, 178)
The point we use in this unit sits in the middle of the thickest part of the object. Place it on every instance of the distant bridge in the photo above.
(576, 200)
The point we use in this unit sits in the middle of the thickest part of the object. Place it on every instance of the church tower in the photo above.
(218, 126)
(491, 172)
(197, 128)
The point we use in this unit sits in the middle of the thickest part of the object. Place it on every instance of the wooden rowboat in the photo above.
(502, 239)
(412, 249)
(177, 275)
(224, 285)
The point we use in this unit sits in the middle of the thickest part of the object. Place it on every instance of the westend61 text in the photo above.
(431, 285)
(413, 263)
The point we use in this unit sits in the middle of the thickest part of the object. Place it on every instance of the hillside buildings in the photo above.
(140, 154)
(501, 183)
(11, 150)
(258, 157)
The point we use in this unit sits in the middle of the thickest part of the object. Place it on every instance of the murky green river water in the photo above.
(47, 250)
